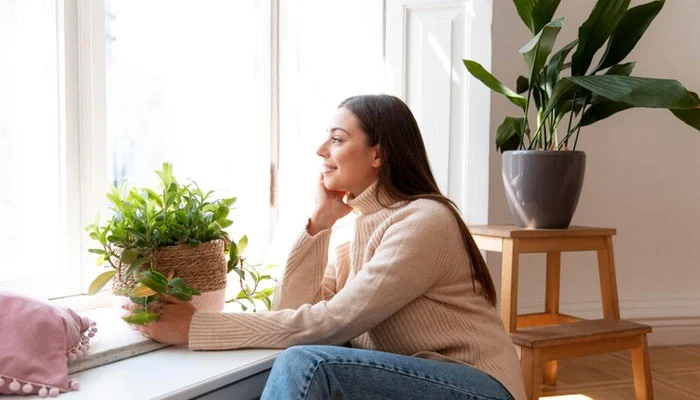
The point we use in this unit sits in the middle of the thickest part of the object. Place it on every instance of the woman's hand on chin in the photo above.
(329, 208)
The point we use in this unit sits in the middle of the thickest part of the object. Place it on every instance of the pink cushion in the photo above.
(36, 341)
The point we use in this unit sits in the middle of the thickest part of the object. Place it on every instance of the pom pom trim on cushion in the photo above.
(16, 385)
(27, 387)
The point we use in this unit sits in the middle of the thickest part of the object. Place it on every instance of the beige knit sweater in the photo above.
(399, 282)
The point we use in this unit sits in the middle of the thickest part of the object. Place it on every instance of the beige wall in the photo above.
(642, 177)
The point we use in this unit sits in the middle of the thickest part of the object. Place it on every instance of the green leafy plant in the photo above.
(251, 280)
(588, 94)
(144, 220)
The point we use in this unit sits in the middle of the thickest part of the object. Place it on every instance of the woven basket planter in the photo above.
(203, 267)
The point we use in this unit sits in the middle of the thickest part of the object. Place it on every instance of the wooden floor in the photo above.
(675, 372)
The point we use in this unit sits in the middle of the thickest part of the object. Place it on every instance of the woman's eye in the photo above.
(335, 139)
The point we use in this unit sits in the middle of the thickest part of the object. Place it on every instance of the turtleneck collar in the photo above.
(366, 202)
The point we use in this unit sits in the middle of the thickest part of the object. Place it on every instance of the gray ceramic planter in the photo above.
(543, 187)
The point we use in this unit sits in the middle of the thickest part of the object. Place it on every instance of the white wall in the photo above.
(642, 177)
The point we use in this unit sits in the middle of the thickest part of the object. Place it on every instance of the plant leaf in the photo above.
(521, 84)
(509, 134)
(690, 117)
(101, 281)
(555, 65)
(602, 110)
(638, 92)
(539, 47)
(536, 13)
(142, 291)
(593, 33)
(141, 317)
(492, 83)
(134, 266)
(628, 32)
(242, 244)
(621, 69)
(128, 256)
(154, 280)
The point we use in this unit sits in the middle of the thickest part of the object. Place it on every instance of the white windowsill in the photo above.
(122, 364)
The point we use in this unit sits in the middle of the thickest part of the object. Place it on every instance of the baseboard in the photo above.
(675, 321)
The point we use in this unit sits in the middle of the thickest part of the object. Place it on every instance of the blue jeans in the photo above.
(334, 372)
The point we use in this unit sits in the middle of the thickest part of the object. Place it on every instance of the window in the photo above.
(187, 90)
(34, 249)
(201, 87)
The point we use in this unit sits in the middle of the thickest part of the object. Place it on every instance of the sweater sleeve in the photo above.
(406, 263)
(308, 276)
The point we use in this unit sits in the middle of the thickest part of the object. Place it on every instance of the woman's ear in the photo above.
(376, 157)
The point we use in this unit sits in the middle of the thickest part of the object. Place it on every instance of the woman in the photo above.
(409, 290)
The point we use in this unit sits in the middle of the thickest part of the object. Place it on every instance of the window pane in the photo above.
(186, 85)
(32, 237)
(329, 50)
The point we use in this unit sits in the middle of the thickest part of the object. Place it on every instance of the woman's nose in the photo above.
(321, 151)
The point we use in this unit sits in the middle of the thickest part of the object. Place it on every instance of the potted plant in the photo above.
(542, 170)
(172, 241)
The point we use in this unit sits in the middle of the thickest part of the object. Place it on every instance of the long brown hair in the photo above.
(405, 173)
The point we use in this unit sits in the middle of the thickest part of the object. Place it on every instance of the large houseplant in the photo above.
(170, 241)
(542, 170)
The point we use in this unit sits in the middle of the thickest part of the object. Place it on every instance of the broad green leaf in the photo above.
(154, 280)
(114, 199)
(593, 33)
(224, 223)
(101, 281)
(141, 317)
(181, 290)
(638, 92)
(233, 251)
(242, 244)
(628, 32)
(509, 134)
(228, 202)
(221, 212)
(135, 266)
(142, 291)
(536, 13)
(155, 197)
(142, 300)
(555, 65)
(621, 69)
(264, 298)
(690, 117)
(494, 84)
(521, 84)
(539, 47)
(602, 110)
(128, 256)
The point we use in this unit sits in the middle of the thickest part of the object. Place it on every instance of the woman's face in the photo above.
(349, 165)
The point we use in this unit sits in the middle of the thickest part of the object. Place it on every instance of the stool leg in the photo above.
(550, 373)
(551, 306)
(530, 366)
(551, 299)
(642, 371)
(509, 285)
(608, 281)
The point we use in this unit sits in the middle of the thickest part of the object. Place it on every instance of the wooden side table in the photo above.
(543, 338)
(512, 241)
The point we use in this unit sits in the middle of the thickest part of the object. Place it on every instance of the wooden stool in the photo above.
(512, 241)
(556, 342)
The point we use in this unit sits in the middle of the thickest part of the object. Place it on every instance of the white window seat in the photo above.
(122, 364)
